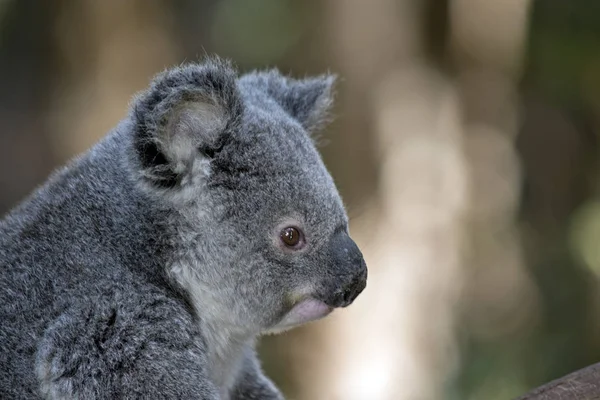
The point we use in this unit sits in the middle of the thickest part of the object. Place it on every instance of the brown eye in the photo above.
(291, 237)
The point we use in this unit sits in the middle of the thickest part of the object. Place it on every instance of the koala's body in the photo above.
(148, 266)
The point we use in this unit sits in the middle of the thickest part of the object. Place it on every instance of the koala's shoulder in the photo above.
(122, 343)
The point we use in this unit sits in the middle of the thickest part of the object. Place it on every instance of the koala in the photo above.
(149, 266)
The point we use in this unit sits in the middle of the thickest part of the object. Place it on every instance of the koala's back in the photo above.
(68, 278)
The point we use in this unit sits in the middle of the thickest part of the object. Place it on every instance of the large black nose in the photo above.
(344, 296)
(348, 268)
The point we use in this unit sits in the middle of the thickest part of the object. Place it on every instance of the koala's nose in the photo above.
(350, 270)
(347, 294)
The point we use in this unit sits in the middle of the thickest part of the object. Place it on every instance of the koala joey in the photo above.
(149, 266)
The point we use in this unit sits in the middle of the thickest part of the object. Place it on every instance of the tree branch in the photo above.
(580, 385)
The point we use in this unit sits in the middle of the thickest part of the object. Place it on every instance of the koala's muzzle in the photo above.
(348, 271)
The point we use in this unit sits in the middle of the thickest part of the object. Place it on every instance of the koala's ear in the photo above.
(183, 119)
(308, 100)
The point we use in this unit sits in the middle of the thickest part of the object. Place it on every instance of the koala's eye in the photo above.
(291, 237)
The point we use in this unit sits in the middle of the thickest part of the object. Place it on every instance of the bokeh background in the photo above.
(465, 146)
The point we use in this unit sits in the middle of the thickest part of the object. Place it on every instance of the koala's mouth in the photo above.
(307, 310)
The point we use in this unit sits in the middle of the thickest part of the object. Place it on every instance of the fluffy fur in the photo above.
(148, 266)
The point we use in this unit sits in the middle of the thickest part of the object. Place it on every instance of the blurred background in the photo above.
(465, 146)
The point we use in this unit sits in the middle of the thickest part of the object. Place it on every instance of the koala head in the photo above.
(260, 231)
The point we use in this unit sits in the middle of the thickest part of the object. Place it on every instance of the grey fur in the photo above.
(148, 266)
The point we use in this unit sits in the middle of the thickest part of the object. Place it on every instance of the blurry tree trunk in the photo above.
(488, 58)
(447, 163)
(396, 341)
(500, 300)
(110, 50)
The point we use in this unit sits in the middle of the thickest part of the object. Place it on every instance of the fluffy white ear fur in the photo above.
(193, 126)
(178, 124)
